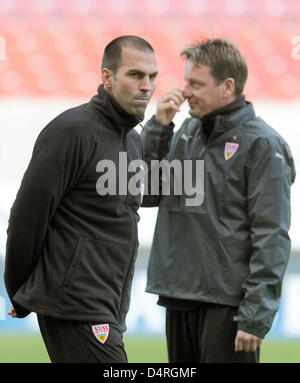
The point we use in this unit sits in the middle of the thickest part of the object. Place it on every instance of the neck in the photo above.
(111, 113)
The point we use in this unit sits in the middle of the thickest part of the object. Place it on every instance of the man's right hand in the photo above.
(12, 312)
(168, 105)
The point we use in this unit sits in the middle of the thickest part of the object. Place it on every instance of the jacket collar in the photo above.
(223, 123)
(240, 116)
(111, 113)
(225, 110)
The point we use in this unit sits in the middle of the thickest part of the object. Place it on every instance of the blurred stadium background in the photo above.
(50, 55)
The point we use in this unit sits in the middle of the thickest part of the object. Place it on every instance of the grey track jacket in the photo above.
(233, 248)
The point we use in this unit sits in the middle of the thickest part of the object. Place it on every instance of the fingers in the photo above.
(173, 96)
(12, 312)
(246, 342)
(168, 105)
(253, 345)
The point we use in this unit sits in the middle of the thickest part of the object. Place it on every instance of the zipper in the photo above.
(134, 237)
(202, 151)
(208, 142)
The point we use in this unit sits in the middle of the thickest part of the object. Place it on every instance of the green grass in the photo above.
(146, 349)
(280, 351)
(30, 349)
(22, 349)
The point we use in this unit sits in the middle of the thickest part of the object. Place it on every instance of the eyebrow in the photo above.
(197, 81)
(141, 72)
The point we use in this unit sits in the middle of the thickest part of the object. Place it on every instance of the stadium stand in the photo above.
(53, 46)
(52, 61)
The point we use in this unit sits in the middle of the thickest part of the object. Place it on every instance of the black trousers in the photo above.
(204, 335)
(75, 342)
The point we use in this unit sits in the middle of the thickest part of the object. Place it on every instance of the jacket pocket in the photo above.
(96, 278)
(74, 263)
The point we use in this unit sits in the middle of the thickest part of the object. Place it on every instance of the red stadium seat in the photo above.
(54, 47)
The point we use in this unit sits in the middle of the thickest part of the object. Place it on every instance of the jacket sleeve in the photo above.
(270, 173)
(156, 140)
(51, 172)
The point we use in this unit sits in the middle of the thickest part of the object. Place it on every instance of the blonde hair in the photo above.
(223, 58)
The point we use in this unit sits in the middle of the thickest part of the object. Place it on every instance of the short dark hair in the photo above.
(223, 58)
(113, 51)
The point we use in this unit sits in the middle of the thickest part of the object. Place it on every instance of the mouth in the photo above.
(141, 100)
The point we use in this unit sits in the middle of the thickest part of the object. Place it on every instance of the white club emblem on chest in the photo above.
(230, 149)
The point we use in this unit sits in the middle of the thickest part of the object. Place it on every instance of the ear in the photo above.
(107, 77)
(229, 87)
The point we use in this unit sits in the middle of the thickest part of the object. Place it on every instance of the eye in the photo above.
(153, 76)
(135, 75)
(196, 85)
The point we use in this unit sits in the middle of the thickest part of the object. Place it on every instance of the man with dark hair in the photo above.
(218, 265)
(113, 51)
(71, 247)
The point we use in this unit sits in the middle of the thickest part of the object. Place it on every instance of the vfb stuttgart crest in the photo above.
(230, 149)
(101, 332)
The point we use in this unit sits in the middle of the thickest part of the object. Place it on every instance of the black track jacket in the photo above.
(71, 251)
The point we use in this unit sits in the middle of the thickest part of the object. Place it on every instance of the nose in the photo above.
(186, 92)
(145, 84)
